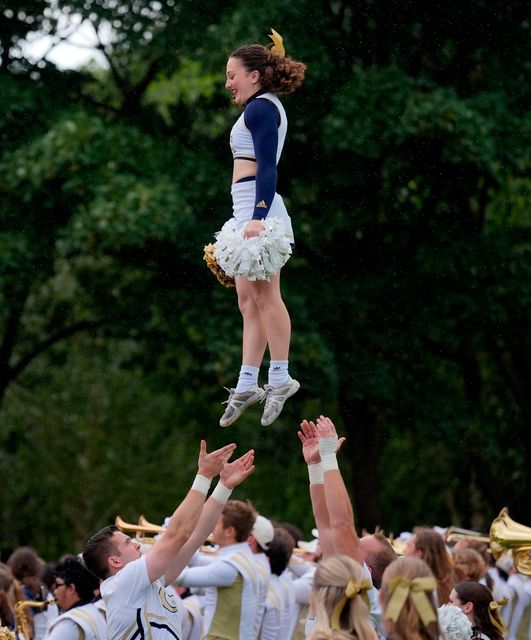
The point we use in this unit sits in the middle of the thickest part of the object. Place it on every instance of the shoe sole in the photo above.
(293, 392)
(237, 414)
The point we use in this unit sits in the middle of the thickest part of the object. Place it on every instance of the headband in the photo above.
(401, 588)
(498, 623)
(351, 591)
(278, 44)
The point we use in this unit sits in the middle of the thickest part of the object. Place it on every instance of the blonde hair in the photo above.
(408, 626)
(329, 584)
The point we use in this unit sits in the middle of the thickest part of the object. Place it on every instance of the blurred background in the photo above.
(407, 173)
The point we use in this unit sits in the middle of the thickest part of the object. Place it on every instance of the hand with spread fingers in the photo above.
(211, 464)
(325, 427)
(309, 437)
(234, 473)
(310, 434)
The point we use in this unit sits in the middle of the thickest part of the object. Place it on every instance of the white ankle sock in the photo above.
(248, 378)
(278, 373)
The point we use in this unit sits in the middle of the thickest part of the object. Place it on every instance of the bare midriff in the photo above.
(243, 169)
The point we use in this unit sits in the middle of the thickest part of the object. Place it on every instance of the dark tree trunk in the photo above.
(362, 446)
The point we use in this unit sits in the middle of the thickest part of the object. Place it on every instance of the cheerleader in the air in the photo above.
(256, 242)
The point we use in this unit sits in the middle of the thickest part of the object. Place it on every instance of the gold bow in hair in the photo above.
(278, 43)
(416, 589)
(493, 606)
(496, 604)
(351, 591)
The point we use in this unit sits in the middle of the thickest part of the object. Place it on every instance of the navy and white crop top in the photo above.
(258, 135)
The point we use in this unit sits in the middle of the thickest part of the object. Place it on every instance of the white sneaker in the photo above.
(238, 402)
(275, 398)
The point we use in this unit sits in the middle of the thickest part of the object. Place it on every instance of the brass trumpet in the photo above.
(453, 534)
(144, 531)
(506, 534)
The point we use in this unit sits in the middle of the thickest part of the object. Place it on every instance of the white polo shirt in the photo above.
(137, 608)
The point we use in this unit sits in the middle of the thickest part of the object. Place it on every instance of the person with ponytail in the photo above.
(408, 596)
(256, 76)
(476, 601)
(339, 601)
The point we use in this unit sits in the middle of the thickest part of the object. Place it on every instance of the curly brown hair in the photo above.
(278, 74)
(468, 565)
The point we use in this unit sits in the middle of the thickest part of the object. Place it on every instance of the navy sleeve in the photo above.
(262, 120)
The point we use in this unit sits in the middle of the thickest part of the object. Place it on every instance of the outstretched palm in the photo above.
(309, 437)
(234, 473)
(211, 464)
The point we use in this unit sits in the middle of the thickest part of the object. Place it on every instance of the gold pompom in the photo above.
(6, 634)
(212, 264)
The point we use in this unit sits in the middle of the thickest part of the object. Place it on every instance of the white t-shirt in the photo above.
(137, 607)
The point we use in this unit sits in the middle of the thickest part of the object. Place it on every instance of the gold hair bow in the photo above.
(278, 43)
(498, 621)
(416, 589)
(496, 604)
(351, 591)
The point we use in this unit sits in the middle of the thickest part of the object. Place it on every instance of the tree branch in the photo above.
(62, 334)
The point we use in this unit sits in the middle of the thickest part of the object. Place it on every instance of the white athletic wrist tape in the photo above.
(201, 484)
(327, 449)
(315, 473)
(221, 493)
(328, 445)
(329, 462)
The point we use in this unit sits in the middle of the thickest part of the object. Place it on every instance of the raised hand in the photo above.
(309, 437)
(234, 473)
(211, 464)
(325, 428)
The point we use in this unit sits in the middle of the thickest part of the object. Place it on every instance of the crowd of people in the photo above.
(257, 580)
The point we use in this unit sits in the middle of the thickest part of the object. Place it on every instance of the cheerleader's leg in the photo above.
(254, 332)
(275, 317)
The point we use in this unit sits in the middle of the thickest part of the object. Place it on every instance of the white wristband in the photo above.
(221, 493)
(328, 462)
(315, 473)
(201, 484)
(327, 449)
(327, 445)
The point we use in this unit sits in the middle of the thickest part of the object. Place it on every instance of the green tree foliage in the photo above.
(407, 173)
